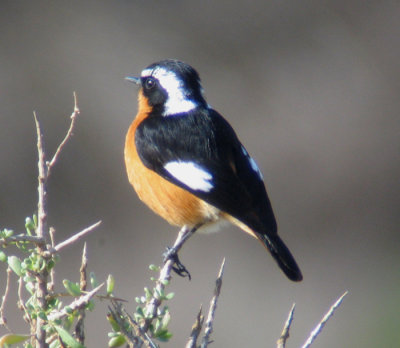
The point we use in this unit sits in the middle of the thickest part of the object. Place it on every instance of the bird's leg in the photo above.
(172, 253)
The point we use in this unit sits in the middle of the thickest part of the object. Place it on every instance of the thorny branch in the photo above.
(76, 236)
(3, 320)
(42, 232)
(140, 336)
(281, 343)
(45, 249)
(23, 238)
(50, 285)
(136, 339)
(69, 134)
(131, 339)
(21, 302)
(80, 326)
(165, 276)
(323, 321)
(79, 303)
(213, 306)
(196, 329)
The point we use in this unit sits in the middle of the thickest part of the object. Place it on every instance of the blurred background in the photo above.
(312, 89)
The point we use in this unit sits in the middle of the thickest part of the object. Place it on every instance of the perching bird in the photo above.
(187, 164)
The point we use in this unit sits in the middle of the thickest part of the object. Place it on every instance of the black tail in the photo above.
(282, 256)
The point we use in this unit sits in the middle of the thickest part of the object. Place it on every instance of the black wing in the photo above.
(206, 139)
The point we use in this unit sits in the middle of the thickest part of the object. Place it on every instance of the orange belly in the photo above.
(176, 205)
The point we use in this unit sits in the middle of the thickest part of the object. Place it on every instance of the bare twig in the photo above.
(164, 277)
(22, 238)
(76, 236)
(42, 237)
(69, 134)
(3, 320)
(139, 338)
(196, 329)
(100, 297)
(281, 343)
(50, 286)
(323, 321)
(79, 303)
(116, 313)
(111, 298)
(80, 324)
(21, 302)
(213, 306)
(139, 332)
(42, 232)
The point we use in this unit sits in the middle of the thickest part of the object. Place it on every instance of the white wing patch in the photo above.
(177, 101)
(190, 174)
(252, 163)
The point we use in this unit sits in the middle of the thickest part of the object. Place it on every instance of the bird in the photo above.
(186, 163)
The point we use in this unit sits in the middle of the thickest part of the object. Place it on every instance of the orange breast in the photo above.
(176, 205)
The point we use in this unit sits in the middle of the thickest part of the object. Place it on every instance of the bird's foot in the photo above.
(177, 267)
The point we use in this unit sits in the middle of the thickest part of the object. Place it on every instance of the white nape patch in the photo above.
(177, 101)
(190, 174)
(253, 163)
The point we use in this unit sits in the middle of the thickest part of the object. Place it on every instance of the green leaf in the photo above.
(39, 264)
(30, 225)
(170, 296)
(30, 287)
(113, 323)
(165, 320)
(110, 284)
(90, 305)
(165, 281)
(50, 264)
(93, 280)
(148, 293)
(163, 335)
(28, 278)
(139, 312)
(26, 263)
(15, 264)
(116, 341)
(3, 256)
(157, 327)
(9, 339)
(67, 338)
(42, 315)
(159, 294)
(6, 233)
(52, 302)
(55, 344)
(72, 288)
(154, 268)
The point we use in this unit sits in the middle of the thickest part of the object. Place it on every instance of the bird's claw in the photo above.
(177, 267)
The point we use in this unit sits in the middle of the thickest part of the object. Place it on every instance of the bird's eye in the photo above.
(149, 83)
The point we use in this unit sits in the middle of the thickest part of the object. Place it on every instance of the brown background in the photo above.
(312, 88)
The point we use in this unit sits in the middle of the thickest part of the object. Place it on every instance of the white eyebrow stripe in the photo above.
(146, 72)
(190, 174)
(177, 101)
(252, 163)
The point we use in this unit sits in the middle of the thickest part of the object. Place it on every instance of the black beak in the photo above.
(135, 80)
